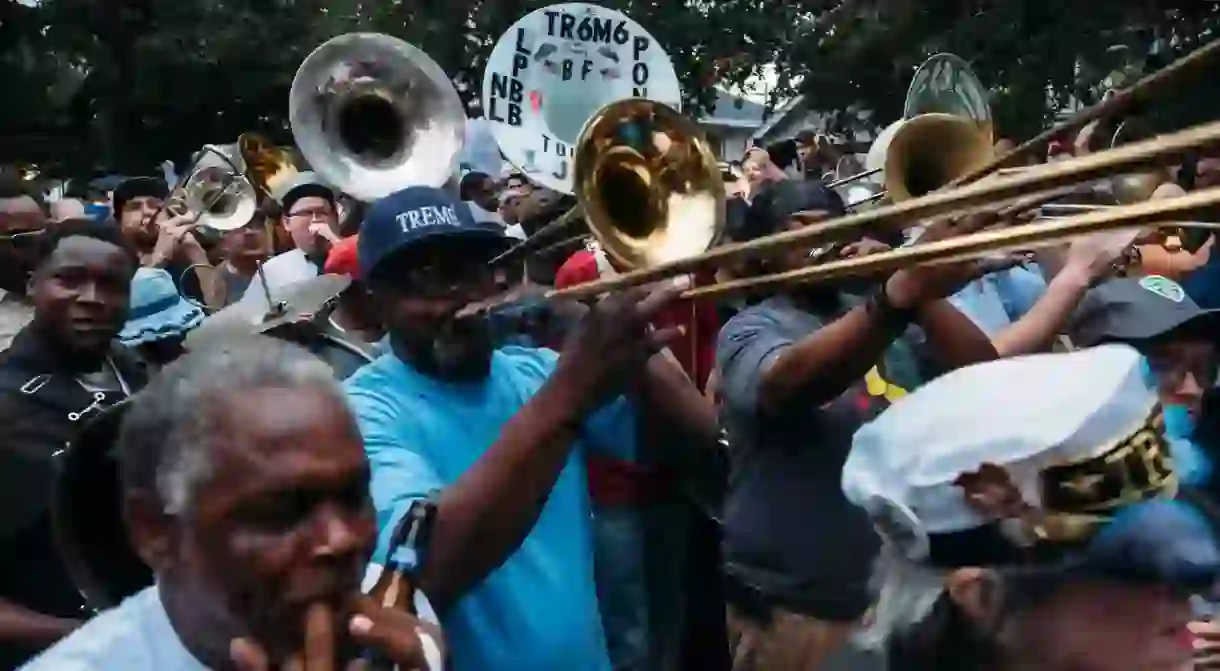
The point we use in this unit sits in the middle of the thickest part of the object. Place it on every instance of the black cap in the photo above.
(304, 185)
(1131, 310)
(137, 187)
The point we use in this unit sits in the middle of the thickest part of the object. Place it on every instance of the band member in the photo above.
(164, 240)
(242, 250)
(256, 523)
(637, 515)
(1164, 252)
(799, 372)
(158, 318)
(1028, 521)
(311, 216)
(63, 368)
(494, 440)
(22, 219)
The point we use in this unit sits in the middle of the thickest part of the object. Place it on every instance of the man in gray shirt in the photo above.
(800, 372)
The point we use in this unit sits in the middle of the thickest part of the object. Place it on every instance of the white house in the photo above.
(731, 125)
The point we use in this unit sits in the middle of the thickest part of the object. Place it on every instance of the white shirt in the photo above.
(136, 635)
(14, 315)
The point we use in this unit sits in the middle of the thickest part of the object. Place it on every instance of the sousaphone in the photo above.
(372, 115)
(946, 131)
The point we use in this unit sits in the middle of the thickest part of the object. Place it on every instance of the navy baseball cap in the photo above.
(404, 219)
(1135, 310)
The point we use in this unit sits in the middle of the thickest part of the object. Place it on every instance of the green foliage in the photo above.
(127, 84)
(1034, 56)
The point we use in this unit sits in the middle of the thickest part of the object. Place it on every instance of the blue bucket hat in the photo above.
(406, 218)
(157, 310)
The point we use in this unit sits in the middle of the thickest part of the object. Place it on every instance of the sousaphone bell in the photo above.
(372, 114)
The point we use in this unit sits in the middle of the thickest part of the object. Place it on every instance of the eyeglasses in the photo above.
(441, 279)
(315, 214)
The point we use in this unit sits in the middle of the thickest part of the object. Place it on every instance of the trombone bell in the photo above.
(931, 150)
(372, 115)
(649, 183)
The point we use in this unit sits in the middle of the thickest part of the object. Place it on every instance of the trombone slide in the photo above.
(1022, 237)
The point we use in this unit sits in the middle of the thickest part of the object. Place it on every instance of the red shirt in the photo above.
(696, 350)
(622, 483)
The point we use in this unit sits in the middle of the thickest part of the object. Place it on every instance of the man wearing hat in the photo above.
(1178, 340)
(798, 373)
(311, 215)
(1027, 512)
(162, 241)
(158, 318)
(486, 445)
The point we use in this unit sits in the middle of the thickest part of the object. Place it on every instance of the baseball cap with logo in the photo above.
(405, 219)
(1133, 310)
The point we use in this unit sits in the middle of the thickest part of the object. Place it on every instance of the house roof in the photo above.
(779, 115)
(734, 111)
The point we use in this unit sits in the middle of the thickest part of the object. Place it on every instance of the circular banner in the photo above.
(557, 66)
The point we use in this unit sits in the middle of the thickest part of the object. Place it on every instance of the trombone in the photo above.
(1039, 181)
(647, 183)
(1032, 186)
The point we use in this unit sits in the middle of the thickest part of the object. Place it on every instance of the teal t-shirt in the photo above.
(538, 610)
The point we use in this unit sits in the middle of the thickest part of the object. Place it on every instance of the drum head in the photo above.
(88, 517)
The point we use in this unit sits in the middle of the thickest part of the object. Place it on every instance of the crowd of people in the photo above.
(985, 465)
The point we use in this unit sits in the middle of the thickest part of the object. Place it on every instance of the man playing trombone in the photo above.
(799, 373)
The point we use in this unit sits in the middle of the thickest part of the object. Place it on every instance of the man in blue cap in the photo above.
(484, 447)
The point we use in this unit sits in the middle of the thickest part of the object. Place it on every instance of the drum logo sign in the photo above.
(557, 66)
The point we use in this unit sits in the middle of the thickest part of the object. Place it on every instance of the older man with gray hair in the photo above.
(246, 490)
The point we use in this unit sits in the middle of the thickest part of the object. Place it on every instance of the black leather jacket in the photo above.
(42, 407)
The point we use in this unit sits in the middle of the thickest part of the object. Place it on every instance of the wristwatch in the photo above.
(891, 316)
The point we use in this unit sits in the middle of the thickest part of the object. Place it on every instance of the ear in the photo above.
(151, 531)
(979, 593)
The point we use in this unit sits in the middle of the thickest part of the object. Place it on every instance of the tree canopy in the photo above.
(125, 85)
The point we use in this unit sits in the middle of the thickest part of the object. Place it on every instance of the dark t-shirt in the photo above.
(789, 533)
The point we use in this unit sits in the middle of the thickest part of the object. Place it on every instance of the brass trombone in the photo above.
(647, 184)
(1028, 184)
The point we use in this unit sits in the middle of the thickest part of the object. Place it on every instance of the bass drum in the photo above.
(88, 516)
